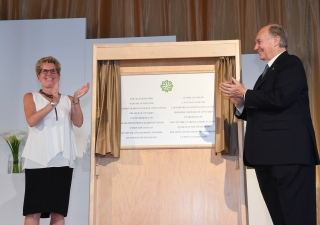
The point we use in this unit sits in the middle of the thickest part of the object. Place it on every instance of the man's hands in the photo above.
(235, 91)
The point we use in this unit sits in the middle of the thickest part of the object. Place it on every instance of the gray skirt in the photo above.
(47, 190)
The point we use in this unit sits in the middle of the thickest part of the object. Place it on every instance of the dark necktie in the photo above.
(265, 70)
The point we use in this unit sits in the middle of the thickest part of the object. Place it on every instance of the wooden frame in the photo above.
(159, 58)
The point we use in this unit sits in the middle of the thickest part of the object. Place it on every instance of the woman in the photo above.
(50, 150)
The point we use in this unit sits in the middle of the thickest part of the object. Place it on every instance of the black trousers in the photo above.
(289, 192)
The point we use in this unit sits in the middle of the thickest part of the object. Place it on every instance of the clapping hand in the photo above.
(234, 90)
(81, 92)
(55, 93)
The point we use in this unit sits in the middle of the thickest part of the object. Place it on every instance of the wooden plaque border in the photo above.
(158, 58)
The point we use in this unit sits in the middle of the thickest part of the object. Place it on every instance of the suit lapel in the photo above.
(261, 79)
(258, 82)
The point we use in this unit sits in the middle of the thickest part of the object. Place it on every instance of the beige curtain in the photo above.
(226, 126)
(108, 127)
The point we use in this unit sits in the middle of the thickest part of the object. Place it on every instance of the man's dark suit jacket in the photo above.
(279, 129)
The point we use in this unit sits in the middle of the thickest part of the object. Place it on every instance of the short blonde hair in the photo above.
(48, 59)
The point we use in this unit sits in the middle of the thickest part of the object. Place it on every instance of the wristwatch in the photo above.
(53, 104)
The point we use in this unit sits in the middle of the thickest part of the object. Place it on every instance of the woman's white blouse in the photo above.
(51, 142)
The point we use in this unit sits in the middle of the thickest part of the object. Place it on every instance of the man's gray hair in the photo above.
(277, 30)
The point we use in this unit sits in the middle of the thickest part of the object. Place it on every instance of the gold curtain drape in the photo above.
(108, 127)
(226, 126)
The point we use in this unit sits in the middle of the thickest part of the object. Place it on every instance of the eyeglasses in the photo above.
(45, 71)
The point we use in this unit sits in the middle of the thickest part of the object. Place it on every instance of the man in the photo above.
(280, 141)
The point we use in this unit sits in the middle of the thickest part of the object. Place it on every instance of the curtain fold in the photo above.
(108, 123)
(226, 125)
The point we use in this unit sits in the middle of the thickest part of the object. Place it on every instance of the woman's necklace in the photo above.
(49, 96)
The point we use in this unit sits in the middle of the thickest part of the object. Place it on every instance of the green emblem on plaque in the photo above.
(166, 86)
